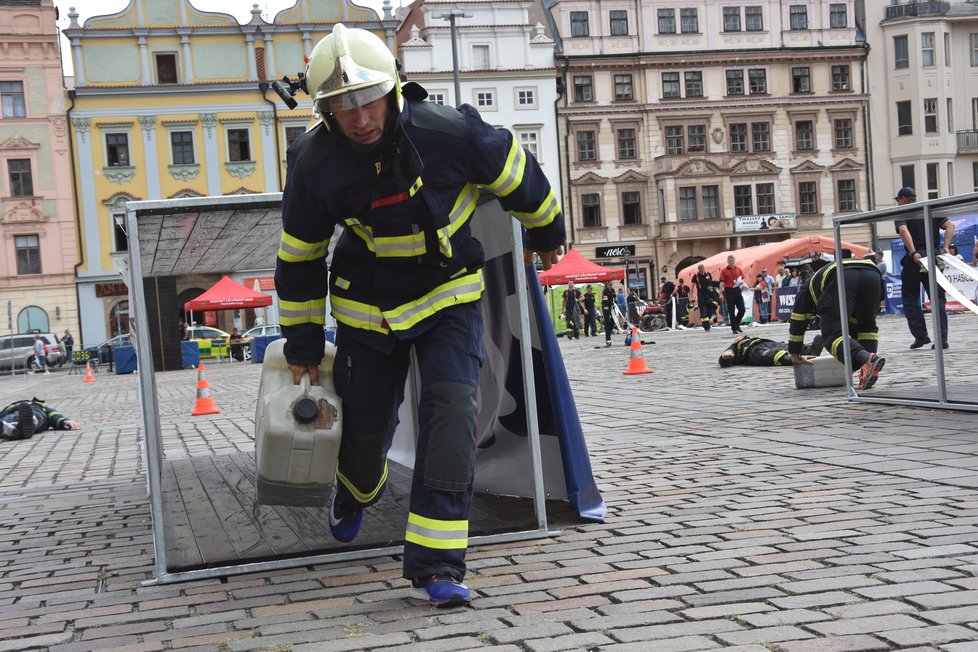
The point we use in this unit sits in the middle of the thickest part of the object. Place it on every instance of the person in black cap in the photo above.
(912, 274)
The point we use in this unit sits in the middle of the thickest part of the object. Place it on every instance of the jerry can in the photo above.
(824, 371)
(298, 432)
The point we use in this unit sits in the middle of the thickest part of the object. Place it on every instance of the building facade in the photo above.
(170, 101)
(923, 83)
(698, 127)
(37, 222)
(506, 66)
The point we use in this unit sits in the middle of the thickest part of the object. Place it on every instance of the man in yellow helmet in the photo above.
(403, 177)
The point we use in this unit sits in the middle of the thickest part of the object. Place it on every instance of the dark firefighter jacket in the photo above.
(406, 251)
(821, 283)
(44, 417)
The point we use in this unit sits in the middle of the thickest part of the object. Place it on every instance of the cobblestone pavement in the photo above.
(744, 515)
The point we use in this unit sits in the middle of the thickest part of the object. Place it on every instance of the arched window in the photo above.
(33, 318)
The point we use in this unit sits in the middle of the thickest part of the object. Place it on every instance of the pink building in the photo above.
(38, 250)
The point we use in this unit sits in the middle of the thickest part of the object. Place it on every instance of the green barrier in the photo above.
(212, 348)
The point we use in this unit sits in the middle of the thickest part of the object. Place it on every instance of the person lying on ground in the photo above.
(23, 419)
(760, 352)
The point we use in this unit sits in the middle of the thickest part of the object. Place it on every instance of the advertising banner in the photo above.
(780, 221)
(785, 302)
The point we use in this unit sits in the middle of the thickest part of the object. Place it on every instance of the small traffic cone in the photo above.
(89, 378)
(636, 359)
(205, 402)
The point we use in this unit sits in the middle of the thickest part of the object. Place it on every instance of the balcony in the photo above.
(968, 141)
(914, 9)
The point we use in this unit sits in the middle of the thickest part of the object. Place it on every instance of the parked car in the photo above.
(259, 331)
(104, 352)
(17, 351)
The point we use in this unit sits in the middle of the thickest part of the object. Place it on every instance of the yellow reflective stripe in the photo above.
(512, 173)
(342, 283)
(433, 533)
(294, 250)
(868, 336)
(796, 338)
(464, 289)
(399, 246)
(801, 316)
(444, 242)
(825, 271)
(415, 187)
(358, 495)
(779, 355)
(834, 346)
(358, 314)
(294, 313)
(549, 209)
(365, 233)
(462, 209)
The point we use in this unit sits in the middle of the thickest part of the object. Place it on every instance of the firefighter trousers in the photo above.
(371, 384)
(862, 302)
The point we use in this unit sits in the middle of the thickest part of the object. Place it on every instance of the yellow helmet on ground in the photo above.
(349, 68)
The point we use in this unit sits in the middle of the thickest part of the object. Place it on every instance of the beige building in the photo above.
(697, 127)
(37, 221)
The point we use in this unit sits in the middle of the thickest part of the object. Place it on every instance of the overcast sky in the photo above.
(240, 9)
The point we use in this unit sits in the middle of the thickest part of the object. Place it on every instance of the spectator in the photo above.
(880, 263)
(69, 343)
(24, 419)
(780, 276)
(770, 292)
(632, 301)
(41, 355)
(608, 299)
(621, 301)
(183, 329)
(762, 297)
(953, 250)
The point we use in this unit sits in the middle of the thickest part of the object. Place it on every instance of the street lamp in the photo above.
(450, 16)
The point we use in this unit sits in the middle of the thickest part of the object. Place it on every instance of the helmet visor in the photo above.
(352, 99)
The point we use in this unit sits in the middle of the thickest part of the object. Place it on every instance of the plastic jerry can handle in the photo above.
(305, 409)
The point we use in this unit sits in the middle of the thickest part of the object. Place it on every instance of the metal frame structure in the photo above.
(945, 207)
(149, 404)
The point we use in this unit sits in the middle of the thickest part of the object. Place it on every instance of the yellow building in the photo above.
(170, 101)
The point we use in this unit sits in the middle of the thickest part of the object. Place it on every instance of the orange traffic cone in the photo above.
(205, 402)
(636, 359)
(89, 378)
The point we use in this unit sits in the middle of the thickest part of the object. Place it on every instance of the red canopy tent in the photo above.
(575, 267)
(226, 294)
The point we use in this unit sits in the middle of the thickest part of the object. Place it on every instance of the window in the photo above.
(530, 140)
(667, 21)
(687, 204)
(21, 181)
(619, 22)
(947, 49)
(480, 57)
(801, 80)
(582, 88)
(239, 145)
(579, 25)
(731, 19)
(761, 132)
(689, 22)
(846, 195)
(904, 119)
(485, 99)
(933, 191)
(842, 129)
(758, 81)
(631, 208)
(623, 87)
(927, 49)
(526, 98)
(292, 133)
(840, 78)
(972, 49)
(182, 143)
(838, 17)
(765, 198)
(28, 249)
(908, 176)
(12, 96)
(743, 200)
(711, 202)
(591, 208)
(117, 150)
(735, 82)
(950, 115)
(901, 52)
(754, 19)
(166, 69)
(738, 137)
(930, 115)
(950, 178)
(585, 146)
(120, 240)
(694, 83)
(807, 197)
(974, 175)
(436, 98)
(804, 135)
(675, 141)
(697, 138)
(626, 144)
(798, 16)
(670, 84)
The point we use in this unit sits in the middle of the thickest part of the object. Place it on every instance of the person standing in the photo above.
(405, 279)
(706, 299)
(770, 294)
(622, 302)
(912, 274)
(590, 313)
(571, 307)
(608, 299)
(69, 343)
(762, 297)
(41, 354)
(732, 278)
(880, 263)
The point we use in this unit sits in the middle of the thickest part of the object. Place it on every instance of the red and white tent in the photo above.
(227, 294)
(575, 267)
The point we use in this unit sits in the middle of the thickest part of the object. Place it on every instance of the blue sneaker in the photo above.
(440, 591)
(344, 524)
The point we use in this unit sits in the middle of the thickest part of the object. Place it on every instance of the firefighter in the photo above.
(761, 352)
(707, 298)
(819, 295)
(403, 176)
(608, 299)
(24, 419)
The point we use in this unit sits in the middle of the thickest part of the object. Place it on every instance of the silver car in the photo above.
(17, 351)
